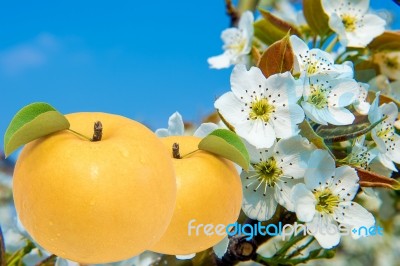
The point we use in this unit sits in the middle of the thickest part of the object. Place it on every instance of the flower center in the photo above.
(268, 171)
(392, 62)
(385, 131)
(349, 22)
(326, 201)
(261, 109)
(312, 67)
(318, 98)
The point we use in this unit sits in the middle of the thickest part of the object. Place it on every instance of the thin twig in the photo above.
(232, 12)
(2, 250)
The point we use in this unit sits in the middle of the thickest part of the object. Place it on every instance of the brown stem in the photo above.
(232, 12)
(51, 260)
(98, 131)
(2, 250)
(175, 151)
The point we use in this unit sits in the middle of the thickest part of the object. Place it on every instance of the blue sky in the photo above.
(141, 59)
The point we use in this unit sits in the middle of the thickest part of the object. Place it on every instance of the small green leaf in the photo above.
(226, 144)
(278, 58)
(316, 17)
(32, 122)
(343, 133)
(270, 28)
(308, 132)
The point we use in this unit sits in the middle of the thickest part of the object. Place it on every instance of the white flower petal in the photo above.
(258, 155)
(353, 214)
(313, 113)
(293, 155)
(221, 247)
(245, 84)
(375, 114)
(345, 182)
(304, 202)
(231, 36)
(175, 125)
(338, 116)
(394, 151)
(336, 24)
(282, 88)
(257, 205)
(205, 129)
(162, 132)
(377, 167)
(257, 133)
(372, 26)
(343, 93)
(380, 143)
(286, 119)
(230, 107)
(301, 50)
(220, 61)
(362, 107)
(387, 162)
(324, 230)
(390, 110)
(283, 192)
(185, 257)
(321, 167)
(246, 23)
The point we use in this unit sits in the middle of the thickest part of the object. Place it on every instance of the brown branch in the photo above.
(51, 260)
(240, 249)
(232, 12)
(2, 250)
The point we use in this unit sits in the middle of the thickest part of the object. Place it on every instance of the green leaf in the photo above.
(17, 256)
(278, 58)
(226, 144)
(371, 179)
(316, 17)
(365, 70)
(270, 28)
(389, 40)
(343, 133)
(308, 132)
(32, 122)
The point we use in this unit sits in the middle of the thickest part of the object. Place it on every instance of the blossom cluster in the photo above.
(268, 111)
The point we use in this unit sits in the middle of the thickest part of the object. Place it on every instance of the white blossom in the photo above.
(261, 109)
(325, 199)
(237, 43)
(325, 99)
(310, 62)
(361, 105)
(350, 20)
(389, 63)
(272, 175)
(176, 127)
(384, 135)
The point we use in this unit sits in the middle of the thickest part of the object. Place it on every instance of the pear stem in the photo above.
(79, 134)
(97, 132)
(175, 151)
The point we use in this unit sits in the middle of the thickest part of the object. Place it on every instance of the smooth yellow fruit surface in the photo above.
(96, 202)
(209, 191)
